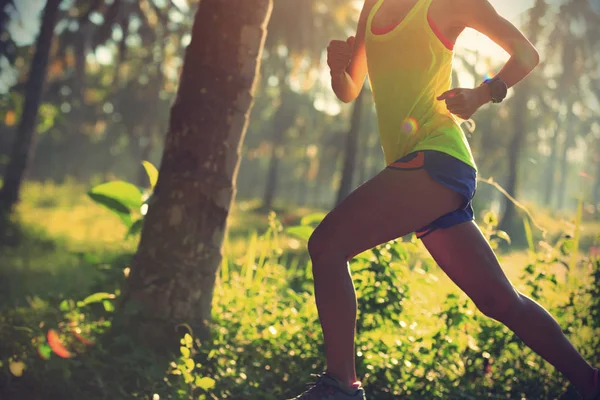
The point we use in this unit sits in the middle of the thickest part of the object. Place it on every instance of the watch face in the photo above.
(499, 89)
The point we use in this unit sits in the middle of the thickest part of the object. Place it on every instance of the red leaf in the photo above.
(56, 345)
(77, 333)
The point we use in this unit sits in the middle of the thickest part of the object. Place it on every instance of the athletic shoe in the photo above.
(328, 388)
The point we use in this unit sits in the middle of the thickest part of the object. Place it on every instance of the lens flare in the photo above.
(410, 125)
(489, 75)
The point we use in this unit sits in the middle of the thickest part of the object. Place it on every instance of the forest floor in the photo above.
(67, 247)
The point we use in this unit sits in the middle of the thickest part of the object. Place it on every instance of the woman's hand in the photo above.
(464, 102)
(339, 55)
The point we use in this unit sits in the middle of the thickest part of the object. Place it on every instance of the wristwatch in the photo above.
(498, 89)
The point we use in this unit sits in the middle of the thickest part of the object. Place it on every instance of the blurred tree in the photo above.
(174, 270)
(519, 110)
(351, 149)
(23, 147)
(298, 32)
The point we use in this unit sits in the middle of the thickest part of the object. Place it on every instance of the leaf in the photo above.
(113, 205)
(123, 192)
(56, 345)
(64, 306)
(44, 351)
(135, 228)
(152, 173)
(16, 367)
(205, 383)
(490, 218)
(503, 235)
(301, 232)
(96, 298)
(185, 352)
(77, 333)
(108, 306)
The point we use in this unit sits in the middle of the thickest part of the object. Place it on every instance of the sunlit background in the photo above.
(112, 76)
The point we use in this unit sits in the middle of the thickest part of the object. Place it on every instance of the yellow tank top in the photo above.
(408, 68)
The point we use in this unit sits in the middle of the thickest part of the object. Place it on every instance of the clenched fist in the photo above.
(339, 55)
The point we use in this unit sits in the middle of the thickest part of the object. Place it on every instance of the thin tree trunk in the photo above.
(596, 190)
(520, 121)
(174, 271)
(551, 168)
(282, 121)
(514, 152)
(350, 150)
(563, 173)
(24, 144)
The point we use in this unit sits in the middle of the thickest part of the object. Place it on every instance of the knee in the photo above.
(501, 305)
(322, 247)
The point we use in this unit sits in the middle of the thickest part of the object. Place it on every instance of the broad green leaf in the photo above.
(301, 232)
(96, 298)
(125, 193)
(113, 205)
(205, 383)
(152, 173)
(135, 228)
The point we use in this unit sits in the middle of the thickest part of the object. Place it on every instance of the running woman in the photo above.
(407, 48)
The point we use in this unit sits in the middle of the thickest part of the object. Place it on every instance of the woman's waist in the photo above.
(422, 118)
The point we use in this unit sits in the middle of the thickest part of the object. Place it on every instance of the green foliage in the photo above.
(417, 338)
(125, 199)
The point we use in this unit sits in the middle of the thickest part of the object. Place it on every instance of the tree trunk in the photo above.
(514, 151)
(282, 121)
(520, 119)
(350, 150)
(563, 173)
(596, 191)
(180, 251)
(551, 168)
(24, 144)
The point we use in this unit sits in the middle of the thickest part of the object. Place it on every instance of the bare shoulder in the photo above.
(367, 6)
(467, 12)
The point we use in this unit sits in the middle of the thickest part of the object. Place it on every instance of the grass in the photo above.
(64, 246)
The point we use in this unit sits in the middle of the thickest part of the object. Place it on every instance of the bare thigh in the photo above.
(392, 204)
(467, 258)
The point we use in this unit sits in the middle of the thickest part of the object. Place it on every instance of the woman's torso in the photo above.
(409, 67)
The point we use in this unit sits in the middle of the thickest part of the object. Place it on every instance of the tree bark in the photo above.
(350, 151)
(174, 270)
(24, 143)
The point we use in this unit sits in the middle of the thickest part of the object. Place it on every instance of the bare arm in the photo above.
(481, 16)
(347, 83)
